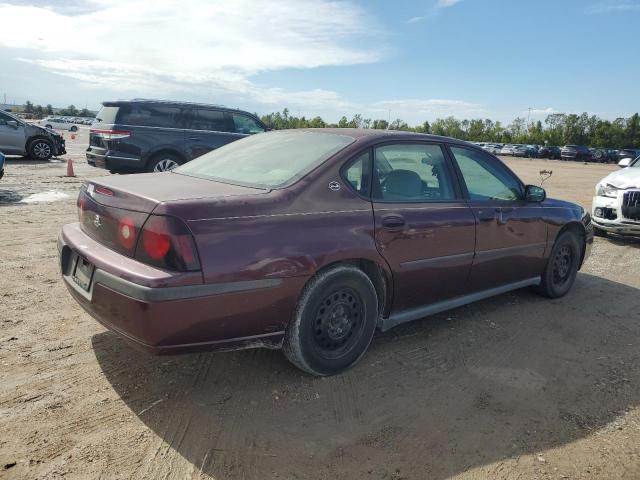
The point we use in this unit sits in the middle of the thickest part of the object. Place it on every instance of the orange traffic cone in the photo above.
(70, 168)
(73, 136)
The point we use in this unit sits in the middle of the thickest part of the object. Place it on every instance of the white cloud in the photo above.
(446, 3)
(613, 6)
(156, 47)
(428, 108)
(434, 10)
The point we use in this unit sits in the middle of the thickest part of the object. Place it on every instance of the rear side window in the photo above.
(412, 173)
(107, 115)
(244, 124)
(212, 120)
(357, 174)
(151, 116)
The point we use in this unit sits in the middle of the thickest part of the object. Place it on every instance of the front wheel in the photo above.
(562, 266)
(41, 149)
(334, 322)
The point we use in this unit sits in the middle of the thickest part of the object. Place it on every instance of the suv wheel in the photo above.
(334, 321)
(40, 149)
(163, 163)
(562, 266)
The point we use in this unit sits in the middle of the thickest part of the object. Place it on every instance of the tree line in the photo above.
(557, 128)
(38, 111)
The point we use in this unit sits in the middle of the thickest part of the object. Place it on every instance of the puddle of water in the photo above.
(50, 196)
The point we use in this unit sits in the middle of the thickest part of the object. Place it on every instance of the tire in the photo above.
(562, 266)
(40, 149)
(73, 128)
(334, 321)
(163, 162)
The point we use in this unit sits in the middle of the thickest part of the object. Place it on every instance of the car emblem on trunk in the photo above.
(335, 186)
(97, 222)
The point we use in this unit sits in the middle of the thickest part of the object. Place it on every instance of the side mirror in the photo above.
(533, 193)
(624, 163)
(12, 123)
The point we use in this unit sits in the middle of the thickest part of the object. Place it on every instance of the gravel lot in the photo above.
(512, 387)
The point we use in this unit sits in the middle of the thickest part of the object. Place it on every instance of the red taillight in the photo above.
(103, 191)
(110, 134)
(127, 233)
(167, 243)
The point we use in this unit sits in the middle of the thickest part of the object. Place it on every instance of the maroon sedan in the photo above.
(309, 240)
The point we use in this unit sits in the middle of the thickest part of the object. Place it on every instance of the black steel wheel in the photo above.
(562, 266)
(334, 322)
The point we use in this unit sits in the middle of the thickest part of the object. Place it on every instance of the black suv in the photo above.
(551, 152)
(575, 152)
(156, 135)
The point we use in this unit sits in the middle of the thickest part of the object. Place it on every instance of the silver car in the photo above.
(20, 138)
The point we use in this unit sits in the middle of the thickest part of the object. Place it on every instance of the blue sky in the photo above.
(416, 60)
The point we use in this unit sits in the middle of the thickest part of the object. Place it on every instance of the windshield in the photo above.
(636, 162)
(267, 160)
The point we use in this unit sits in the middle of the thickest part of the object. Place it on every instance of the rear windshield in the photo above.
(267, 160)
(107, 115)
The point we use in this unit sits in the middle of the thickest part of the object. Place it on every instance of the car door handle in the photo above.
(393, 222)
(500, 211)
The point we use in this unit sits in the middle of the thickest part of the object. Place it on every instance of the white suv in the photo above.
(616, 205)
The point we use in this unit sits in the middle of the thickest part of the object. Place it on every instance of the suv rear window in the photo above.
(107, 115)
(151, 116)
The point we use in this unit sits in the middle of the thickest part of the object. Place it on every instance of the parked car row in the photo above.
(59, 123)
(568, 152)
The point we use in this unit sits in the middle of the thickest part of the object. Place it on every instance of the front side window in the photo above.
(412, 173)
(272, 160)
(247, 125)
(485, 178)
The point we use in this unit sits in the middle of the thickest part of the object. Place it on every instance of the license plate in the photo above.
(82, 272)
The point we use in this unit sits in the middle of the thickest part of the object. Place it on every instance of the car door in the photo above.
(12, 139)
(511, 233)
(209, 130)
(423, 227)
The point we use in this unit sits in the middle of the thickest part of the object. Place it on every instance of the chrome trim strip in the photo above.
(280, 215)
(123, 158)
(184, 130)
(426, 310)
(497, 252)
(427, 262)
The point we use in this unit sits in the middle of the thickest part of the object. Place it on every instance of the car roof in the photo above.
(382, 135)
(151, 101)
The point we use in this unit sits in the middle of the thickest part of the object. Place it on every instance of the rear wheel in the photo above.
(163, 163)
(74, 128)
(562, 266)
(334, 322)
(40, 149)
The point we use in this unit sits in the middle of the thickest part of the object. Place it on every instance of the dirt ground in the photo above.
(514, 387)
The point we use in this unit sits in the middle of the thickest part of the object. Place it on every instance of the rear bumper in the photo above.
(165, 313)
(113, 162)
